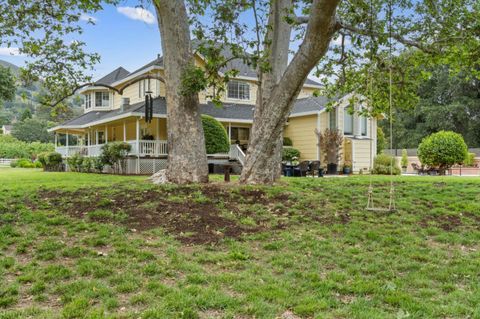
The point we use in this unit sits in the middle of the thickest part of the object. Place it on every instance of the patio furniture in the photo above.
(302, 169)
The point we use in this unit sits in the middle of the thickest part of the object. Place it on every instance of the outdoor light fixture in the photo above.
(148, 107)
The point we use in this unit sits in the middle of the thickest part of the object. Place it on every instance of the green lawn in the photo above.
(99, 246)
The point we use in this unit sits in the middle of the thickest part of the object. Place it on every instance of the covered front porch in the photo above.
(146, 139)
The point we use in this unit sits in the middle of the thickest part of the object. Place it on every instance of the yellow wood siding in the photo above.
(361, 157)
(301, 130)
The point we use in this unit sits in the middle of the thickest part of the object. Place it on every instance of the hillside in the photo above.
(11, 66)
(28, 97)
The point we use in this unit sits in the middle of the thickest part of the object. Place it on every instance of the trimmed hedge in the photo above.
(382, 165)
(442, 150)
(216, 138)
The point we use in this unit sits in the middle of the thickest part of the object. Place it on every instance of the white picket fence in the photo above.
(5, 161)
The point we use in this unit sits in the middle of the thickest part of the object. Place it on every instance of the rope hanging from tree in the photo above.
(370, 204)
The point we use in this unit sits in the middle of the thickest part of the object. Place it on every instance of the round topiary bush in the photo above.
(216, 138)
(442, 150)
(290, 153)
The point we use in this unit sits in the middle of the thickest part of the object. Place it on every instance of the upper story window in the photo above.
(88, 101)
(347, 122)
(332, 118)
(238, 90)
(102, 99)
(143, 87)
(364, 125)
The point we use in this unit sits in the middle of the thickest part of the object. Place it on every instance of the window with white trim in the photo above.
(238, 90)
(88, 101)
(102, 99)
(364, 125)
(332, 119)
(347, 122)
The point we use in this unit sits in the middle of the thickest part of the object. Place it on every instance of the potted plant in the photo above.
(347, 168)
(404, 161)
(330, 141)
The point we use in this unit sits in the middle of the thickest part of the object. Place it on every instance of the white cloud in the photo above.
(87, 18)
(137, 13)
(10, 51)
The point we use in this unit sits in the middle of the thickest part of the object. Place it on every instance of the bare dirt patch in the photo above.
(192, 214)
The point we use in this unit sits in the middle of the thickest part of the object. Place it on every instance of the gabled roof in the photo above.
(114, 76)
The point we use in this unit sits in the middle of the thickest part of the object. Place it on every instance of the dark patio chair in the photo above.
(301, 169)
(314, 167)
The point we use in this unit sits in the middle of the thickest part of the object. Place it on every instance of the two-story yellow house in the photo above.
(111, 116)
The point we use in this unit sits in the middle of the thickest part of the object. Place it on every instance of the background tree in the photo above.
(32, 130)
(27, 114)
(7, 85)
(446, 101)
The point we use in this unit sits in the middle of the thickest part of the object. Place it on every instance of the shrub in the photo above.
(469, 160)
(442, 150)
(385, 164)
(287, 141)
(50, 161)
(87, 164)
(216, 138)
(75, 162)
(404, 161)
(22, 163)
(115, 155)
(97, 164)
(289, 153)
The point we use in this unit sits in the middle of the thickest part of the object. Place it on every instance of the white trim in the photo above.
(319, 130)
(134, 75)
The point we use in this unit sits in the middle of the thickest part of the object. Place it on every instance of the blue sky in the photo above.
(129, 38)
(123, 35)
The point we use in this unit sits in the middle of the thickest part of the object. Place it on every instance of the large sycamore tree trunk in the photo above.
(187, 160)
(281, 85)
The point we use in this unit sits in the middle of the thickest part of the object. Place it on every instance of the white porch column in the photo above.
(138, 144)
(96, 137)
(318, 140)
(137, 134)
(106, 134)
(66, 143)
(229, 132)
(88, 138)
(124, 131)
(56, 139)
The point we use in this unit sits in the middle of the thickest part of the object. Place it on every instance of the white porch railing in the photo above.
(236, 153)
(142, 148)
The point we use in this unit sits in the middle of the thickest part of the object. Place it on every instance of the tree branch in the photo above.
(408, 42)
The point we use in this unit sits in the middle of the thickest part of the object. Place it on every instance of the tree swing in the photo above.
(370, 203)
